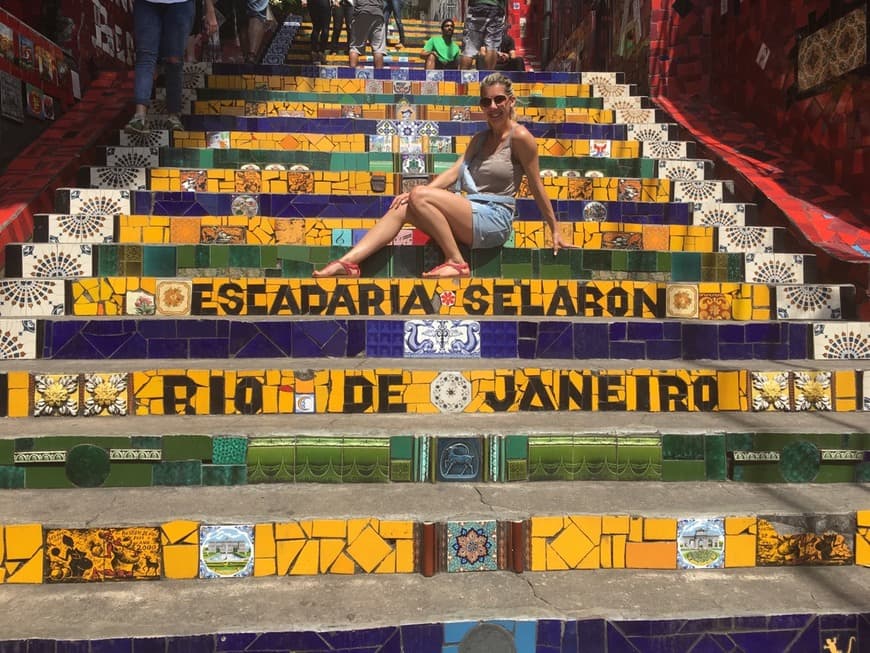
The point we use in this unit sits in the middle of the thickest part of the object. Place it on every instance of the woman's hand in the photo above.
(558, 243)
(400, 200)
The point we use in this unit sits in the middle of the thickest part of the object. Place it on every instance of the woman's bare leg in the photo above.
(444, 216)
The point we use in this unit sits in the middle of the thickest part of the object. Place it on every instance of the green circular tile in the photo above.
(799, 462)
(87, 465)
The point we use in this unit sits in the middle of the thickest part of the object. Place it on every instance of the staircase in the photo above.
(183, 403)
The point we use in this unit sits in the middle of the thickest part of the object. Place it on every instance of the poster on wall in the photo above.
(11, 103)
(45, 64)
(47, 107)
(34, 101)
(25, 52)
(7, 42)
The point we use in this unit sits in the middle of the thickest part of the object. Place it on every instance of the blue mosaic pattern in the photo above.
(349, 338)
(471, 546)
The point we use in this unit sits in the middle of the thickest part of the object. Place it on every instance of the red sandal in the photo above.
(453, 270)
(347, 268)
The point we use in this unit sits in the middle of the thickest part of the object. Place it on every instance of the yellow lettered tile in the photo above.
(180, 560)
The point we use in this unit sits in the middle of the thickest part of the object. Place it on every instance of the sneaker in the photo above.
(174, 124)
(137, 126)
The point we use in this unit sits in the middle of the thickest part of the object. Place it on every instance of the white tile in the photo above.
(598, 78)
(775, 268)
(623, 103)
(654, 131)
(843, 341)
(746, 239)
(635, 116)
(682, 169)
(53, 260)
(719, 214)
(809, 302)
(17, 339)
(698, 191)
(32, 297)
(119, 177)
(441, 339)
(665, 149)
(154, 138)
(80, 228)
(133, 157)
(98, 201)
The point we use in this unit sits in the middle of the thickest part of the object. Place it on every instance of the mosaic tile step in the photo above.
(52, 462)
(190, 548)
(254, 337)
(414, 387)
(808, 633)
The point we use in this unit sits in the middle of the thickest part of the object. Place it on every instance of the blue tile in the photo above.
(570, 642)
(149, 645)
(700, 341)
(259, 347)
(498, 339)
(736, 352)
(279, 332)
(358, 638)
(632, 350)
(41, 646)
(208, 348)
(707, 644)
(798, 340)
(772, 640)
(549, 632)
(592, 340)
(168, 348)
(135, 347)
(74, 646)
(555, 340)
(764, 332)
(455, 631)
(424, 638)
(838, 621)
(664, 350)
(770, 352)
(76, 347)
(645, 330)
(722, 625)
(287, 641)
(591, 635)
(525, 633)
(234, 641)
(809, 640)
(616, 643)
(796, 621)
(197, 328)
(618, 331)
(194, 644)
(735, 333)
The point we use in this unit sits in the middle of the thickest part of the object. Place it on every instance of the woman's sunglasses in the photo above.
(489, 101)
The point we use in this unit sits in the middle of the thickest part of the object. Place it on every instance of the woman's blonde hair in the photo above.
(494, 79)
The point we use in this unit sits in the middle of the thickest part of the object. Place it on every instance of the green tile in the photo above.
(715, 457)
(229, 450)
(186, 447)
(318, 460)
(146, 442)
(219, 255)
(224, 474)
(516, 447)
(159, 262)
(108, 261)
(11, 478)
(858, 441)
(683, 447)
(296, 269)
(758, 473)
(67, 442)
(377, 265)
(516, 271)
(685, 266)
(862, 473)
(179, 472)
(738, 442)
(185, 256)
(134, 474)
(406, 261)
(663, 262)
(366, 463)
(598, 259)
(736, 271)
(272, 462)
(268, 256)
(402, 447)
(639, 463)
(7, 448)
(400, 470)
(594, 462)
(517, 470)
(841, 472)
(244, 256)
(202, 256)
(551, 459)
(619, 261)
(683, 470)
(44, 477)
(486, 262)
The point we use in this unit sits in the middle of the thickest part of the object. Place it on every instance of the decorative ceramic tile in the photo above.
(138, 302)
(49, 260)
(833, 50)
(219, 140)
(469, 76)
(434, 75)
(386, 128)
(55, 394)
(805, 540)
(400, 74)
(226, 551)
(413, 164)
(635, 116)
(774, 268)
(304, 403)
(106, 394)
(74, 555)
(38, 457)
(842, 341)
(812, 390)
(133, 157)
(18, 339)
(136, 454)
(450, 392)
(154, 138)
(380, 143)
(598, 78)
(459, 459)
(719, 214)
(78, 228)
(595, 212)
(245, 205)
(808, 302)
(129, 178)
(173, 297)
(409, 129)
(26, 297)
(410, 145)
(92, 201)
(746, 239)
(331, 72)
(698, 191)
(472, 546)
(664, 149)
(682, 301)
(599, 148)
(629, 190)
(351, 111)
(442, 339)
(429, 88)
(682, 170)
(770, 391)
(402, 87)
(622, 103)
(714, 306)
(460, 114)
(374, 86)
(195, 181)
(701, 543)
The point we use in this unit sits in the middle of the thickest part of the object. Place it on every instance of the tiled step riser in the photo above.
(526, 256)
(280, 391)
(146, 461)
(369, 545)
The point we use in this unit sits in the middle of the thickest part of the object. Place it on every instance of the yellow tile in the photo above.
(659, 529)
(590, 526)
(264, 536)
(181, 531)
(368, 550)
(862, 518)
(286, 552)
(740, 550)
(343, 565)
(404, 556)
(23, 541)
(396, 529)
(329, 550)
(572, 545)
(605, 552)
(615, 524)
(307, 560)
(388, 566)
(554, 561)
(264, 567)
(289, 531)
(635, 530)
(651, 555)
(180, 561)
(29, 571)
(538, 554)
(739, 525)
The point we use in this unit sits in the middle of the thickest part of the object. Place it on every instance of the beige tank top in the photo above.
(498, 174)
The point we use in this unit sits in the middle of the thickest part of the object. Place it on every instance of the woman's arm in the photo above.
(525, 148)
(211, 24)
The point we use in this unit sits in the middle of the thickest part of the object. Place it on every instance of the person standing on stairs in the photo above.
(394, 7)
(484, 27)
(341, 15)
(160, 29)
(321, 11)
(367, 24)
(481, 213)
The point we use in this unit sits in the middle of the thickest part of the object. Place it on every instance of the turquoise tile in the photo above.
(159, 262)
(180, 472)
(11, 477)
(224, 474)
(244, 256)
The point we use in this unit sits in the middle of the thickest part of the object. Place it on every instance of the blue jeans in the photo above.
(160, 30)
(394, 7)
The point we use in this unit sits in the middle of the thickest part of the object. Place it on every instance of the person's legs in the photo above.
(431, 61)
(256, 28)
(378, 38)
(147, 28)
(177, 19)
(340, 16)
(320, 13)
(395, 7)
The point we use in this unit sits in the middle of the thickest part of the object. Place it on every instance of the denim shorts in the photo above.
(484, 25)
(492, 218)
(257, 9)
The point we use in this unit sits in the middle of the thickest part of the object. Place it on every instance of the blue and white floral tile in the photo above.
(442, 339)
(32, 297)
(634, 116)
(599, 148)
(472, 546)
(746, 239)
(681, 170)
(226, 551)
(331, 72)
(719, 214)
(99, 201)
(133, 157)
(434, 75)
(808, 302)
(598, 78)
(51, 260)
(842, 341)
(450, 392)
(774, 268)
(698, 191)
(701, 543)
(400, 74)
(665, 149)
(469, 76)
(116, 177)
(154, 138)
(18, 339)
(654, 131)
